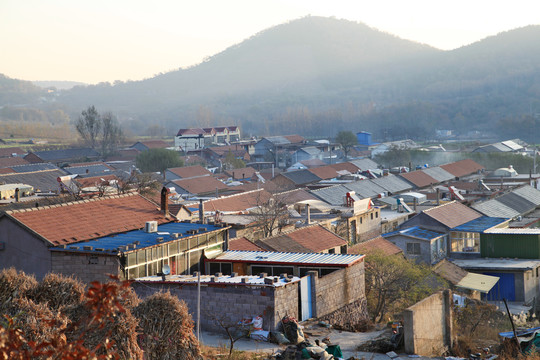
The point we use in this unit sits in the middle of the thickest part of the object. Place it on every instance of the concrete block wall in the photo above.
(85, 267)
(337, 289)
(232, 303)
(427, 325)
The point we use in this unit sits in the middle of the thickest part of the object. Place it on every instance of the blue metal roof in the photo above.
(416, 232)
(481, 224)
(306, 259)
(165, 231)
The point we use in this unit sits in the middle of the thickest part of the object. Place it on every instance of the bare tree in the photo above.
(270, 213)
(112, 134)
(143, 183)
(89, 126)
(235, 329)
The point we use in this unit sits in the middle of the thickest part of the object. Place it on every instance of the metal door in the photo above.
(305, 298)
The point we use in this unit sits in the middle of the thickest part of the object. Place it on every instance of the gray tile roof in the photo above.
(494, 208)
(333, 195)
(34, 167)
(439, 174)
(93, 169)
(365, 188)
(393, 184)
(301, 177)
(516, 202)
(64, 154)
(365, 164)
(529, 193)
(41, 180)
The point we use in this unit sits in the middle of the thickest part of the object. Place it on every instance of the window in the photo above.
(371, 216)
(464, 242)
(376, 214)
(413, 248)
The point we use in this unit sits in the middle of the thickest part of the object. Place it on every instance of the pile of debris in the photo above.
(299, 346)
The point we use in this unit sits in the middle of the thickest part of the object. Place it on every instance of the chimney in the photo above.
(17, 194)
(201, 211)
(438, 197)
(308, 215)
(165, 200)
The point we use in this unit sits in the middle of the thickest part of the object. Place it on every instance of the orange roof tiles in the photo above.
(242, 173)
(325, 172)
(200, 185)
(89, 219)
(462, 167)
(190, 171)
(377, 244)
(314, 238)
(419, 178)
(350, 167)
(12, 161)
(239, 202)
(452, 214)
(295, 139)
(243, 244)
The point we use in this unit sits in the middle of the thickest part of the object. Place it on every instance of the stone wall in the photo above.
(86, 267)
(231, 303)
(427, 325)
(337, 289)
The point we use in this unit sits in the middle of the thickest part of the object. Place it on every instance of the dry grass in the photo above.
(172, 336)
(222, 352)
(15, 284)
(57, 291)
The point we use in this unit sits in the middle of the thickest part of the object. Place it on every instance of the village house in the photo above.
(122, 235)
(186, 172)
(150, 144)
(63, 156)
(420, 245)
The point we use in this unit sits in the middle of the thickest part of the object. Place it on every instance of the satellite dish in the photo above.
(166, 270)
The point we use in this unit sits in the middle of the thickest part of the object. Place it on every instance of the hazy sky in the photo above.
(107, 40)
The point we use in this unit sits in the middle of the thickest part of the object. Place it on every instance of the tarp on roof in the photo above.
(478, 282)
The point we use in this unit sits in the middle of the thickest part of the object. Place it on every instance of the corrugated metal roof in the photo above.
(416, 232)
(333, 195)
(494, 208)
(34, 167)
(41, 180)
(514, 231)
(439, 174)
(392, 183)
(512, 145)
(145, 239)
(268, 257)
(529, 193)
(481, 224)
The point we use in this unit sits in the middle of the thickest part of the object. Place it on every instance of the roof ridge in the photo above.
(440, 206)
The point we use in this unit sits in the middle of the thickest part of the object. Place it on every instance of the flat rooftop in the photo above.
(487, 264)
(251, 280)
(139, 239)
(481, 224)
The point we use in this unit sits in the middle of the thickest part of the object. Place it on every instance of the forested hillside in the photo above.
(317, 76)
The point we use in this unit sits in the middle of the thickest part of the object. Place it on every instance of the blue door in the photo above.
(504, 289)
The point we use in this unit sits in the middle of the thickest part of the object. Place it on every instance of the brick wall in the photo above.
(337, 289)
(85, 267)
(231, 302)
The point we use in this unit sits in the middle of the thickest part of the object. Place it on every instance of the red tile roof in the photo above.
(238, 202)
(195, 131)
(462, 167)
(187, 172)
(419, 178)
(201, 185)
(294, 139)
(6, 171)
(452, 214)
(294, 196)
(95, 180)
(243, 244)
(314, 238)
(324, 172)
(9, 151)
(155, 144)
(89, 219)
(350, 167)
(311, 163)
(242, 173)
(377, 244)
(12, 161)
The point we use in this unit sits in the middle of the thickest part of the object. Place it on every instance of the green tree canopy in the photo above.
(347, 140)
(155, 160)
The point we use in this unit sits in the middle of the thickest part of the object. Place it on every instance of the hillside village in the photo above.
(276, 225)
